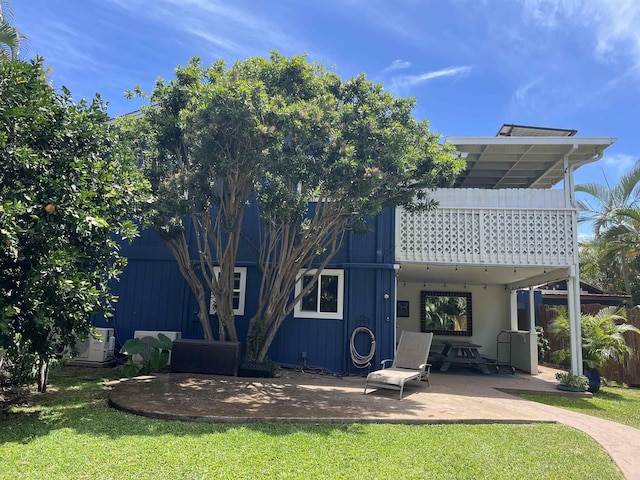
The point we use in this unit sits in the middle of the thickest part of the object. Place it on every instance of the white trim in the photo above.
(299, 313)
(600, 141)
(241, 291)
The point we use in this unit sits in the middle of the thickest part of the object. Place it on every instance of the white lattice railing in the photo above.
(498, 236)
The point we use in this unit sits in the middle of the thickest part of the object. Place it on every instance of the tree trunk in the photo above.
(625, 274)
(43, 373)
(203, 314)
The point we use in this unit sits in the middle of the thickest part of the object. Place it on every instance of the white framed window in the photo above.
(325, 299)
(239, 290)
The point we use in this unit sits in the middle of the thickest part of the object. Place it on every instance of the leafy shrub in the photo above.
(602, 336)
(154, 353)
(569, 379)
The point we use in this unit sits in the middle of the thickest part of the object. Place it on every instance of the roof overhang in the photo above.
(523, 162)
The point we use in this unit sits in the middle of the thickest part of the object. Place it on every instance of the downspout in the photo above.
(573, 282)
(347, 306)
(394, 327)
(573, 168)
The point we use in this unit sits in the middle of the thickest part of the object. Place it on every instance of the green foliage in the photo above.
(154, 355)
(20, 367)
(602, 336)
(600, 265)
(543, 343)
(68, 189)
(255, 338)
(611, 260)
(569, 379)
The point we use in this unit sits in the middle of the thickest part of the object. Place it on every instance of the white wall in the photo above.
(500, 198)
(490, 310)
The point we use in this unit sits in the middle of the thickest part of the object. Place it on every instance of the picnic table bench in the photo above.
(462, 353)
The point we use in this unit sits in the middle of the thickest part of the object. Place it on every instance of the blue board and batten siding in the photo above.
(153, 295)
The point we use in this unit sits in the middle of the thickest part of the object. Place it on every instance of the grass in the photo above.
(618, 404)
(71, 432)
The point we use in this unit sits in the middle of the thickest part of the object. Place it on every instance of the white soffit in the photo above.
(523, 162)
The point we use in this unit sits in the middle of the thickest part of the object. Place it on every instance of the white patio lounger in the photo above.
(410, 363)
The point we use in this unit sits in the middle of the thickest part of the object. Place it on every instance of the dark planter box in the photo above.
(566, 388)
(205, 356)
(257, 370)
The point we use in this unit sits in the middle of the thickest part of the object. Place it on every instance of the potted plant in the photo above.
(602, 340)
(252, 366)
(570, 382)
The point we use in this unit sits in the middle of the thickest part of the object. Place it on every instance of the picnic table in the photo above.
(462, 353)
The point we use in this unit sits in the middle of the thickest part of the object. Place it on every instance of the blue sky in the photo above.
(472, 65)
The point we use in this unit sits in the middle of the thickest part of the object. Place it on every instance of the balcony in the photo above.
(508, 227)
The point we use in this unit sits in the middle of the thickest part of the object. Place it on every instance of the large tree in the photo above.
(360, 152)
(315, 155)
(68, 184)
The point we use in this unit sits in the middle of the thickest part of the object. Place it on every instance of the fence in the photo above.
(627, 372)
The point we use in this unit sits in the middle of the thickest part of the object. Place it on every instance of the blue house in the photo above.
(500, 229)
(153, 296)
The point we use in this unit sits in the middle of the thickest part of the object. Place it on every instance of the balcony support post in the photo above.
(575, 330)
(513, 301)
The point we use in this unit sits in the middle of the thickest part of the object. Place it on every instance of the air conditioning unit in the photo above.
(96, 350)
(147, 334)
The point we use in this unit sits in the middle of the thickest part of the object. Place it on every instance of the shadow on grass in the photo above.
(562, 402)
(79, 400)
(611, 396)
(602, 396)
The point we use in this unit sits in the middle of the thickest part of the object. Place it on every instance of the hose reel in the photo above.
(359, 360)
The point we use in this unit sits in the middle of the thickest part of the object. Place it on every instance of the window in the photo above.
(326, 297)
(239, 288)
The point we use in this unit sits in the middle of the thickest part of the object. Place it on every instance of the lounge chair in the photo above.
(410, 363)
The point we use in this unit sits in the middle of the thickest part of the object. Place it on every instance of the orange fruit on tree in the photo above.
(50, 208)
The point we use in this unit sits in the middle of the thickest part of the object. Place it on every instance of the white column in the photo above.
(533, 336)
(514, 309)
(532, 310)
(575, 335)
(578, 313)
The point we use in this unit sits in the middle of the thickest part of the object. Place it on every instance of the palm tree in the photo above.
(606, 212)
(11, 40)
(602, 211)
(602, 339)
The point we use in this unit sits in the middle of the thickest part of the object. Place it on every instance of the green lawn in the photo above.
(621, 405)
(70, 432)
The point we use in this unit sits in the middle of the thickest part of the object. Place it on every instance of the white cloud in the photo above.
(219, 24)
(613, 24)
(618, 164)
(406, 81)
(397, 65)
(521, 97)
(585, 236)
(65, 47)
